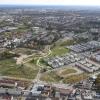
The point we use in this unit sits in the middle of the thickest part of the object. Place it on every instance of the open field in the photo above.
(8, 67)
(33, 61)
(58, 51)
(25, 51)
(57, 75)
(67, 43)
(66, 71)
(50, 77)
(75, 78)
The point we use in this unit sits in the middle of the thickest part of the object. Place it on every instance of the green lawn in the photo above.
(58, 51)
(8, 67)
(34, 61)
(67, 43)
(44, 64)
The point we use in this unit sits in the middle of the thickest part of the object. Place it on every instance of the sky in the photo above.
(52, 2)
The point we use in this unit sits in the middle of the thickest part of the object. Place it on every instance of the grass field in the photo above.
(75, 78)
(67, 43)
(50, 77)
(33, 61)
(67, 71)
(58, 51)
(8, 67)
(23, 51)
(57, 76)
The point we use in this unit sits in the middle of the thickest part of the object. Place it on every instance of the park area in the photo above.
(58, 51)
(8, 67)
(64, 75)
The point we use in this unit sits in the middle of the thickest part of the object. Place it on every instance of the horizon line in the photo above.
(46, 5)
